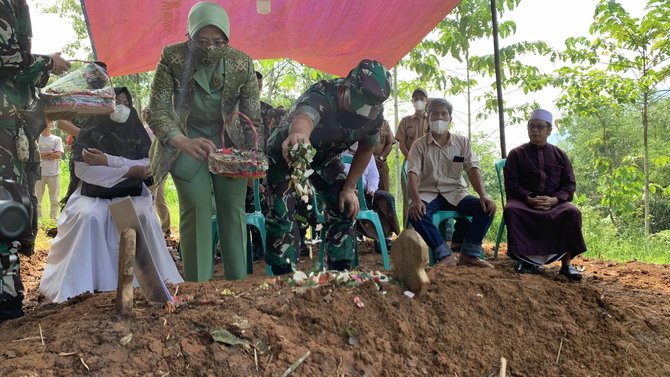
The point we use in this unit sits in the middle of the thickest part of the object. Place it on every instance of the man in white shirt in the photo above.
(51, 150)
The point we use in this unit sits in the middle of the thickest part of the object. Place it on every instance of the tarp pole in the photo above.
(496, 57)
(398, 164)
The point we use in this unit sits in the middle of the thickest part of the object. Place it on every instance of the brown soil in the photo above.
(615, 323)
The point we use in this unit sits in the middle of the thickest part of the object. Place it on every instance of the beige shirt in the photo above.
(411, 128)
(440, 168)
(385, 137)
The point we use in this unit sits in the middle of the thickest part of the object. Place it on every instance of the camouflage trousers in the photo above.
(26, 174)
(327, 181)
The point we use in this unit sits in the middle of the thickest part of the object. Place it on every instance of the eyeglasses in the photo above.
(538, 127)
(440, 114)
(204, 42)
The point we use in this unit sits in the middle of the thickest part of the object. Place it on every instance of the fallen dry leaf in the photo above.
(126, 339)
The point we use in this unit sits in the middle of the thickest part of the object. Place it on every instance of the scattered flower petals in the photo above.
(299, 277)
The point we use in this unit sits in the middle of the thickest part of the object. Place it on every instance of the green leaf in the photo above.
(224, 336)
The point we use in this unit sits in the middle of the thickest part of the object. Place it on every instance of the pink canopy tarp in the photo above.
(329, 35)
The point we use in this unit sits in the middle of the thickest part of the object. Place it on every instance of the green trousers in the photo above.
(195, 187)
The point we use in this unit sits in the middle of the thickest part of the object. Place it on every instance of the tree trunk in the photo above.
(645, 195)
(469, 93)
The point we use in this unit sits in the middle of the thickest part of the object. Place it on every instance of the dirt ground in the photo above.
(615, 323)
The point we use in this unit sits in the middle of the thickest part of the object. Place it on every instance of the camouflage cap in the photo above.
(370, 86)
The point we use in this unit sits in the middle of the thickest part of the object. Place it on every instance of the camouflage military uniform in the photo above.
(20, 73)
(334, 131)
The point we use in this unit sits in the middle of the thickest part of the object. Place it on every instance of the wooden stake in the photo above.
(124, 292)
(503, 367)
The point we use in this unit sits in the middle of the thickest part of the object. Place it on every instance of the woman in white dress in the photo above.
(112, 161)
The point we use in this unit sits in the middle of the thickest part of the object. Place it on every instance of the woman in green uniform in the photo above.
(198, 83)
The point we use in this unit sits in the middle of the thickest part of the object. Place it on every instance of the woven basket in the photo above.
(238, 163)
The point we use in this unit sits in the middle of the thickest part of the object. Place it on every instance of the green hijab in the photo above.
(207, 13)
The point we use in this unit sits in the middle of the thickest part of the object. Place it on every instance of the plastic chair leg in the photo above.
(382, 245)
(501, 228)
(250, 254)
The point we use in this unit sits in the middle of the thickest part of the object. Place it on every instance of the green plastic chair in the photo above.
(256, 220)
(438, 217)
(364, 214)
(500, 165)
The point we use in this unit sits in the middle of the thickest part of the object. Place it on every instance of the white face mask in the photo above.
(120, 114)
(419, 105)
(439, 126)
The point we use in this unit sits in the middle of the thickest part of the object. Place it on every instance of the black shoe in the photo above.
(304, 251)
(27, 248)
(527, 268)
(52, 232)
(339, 265)
(281, 269)
(258, 253)
(571, 273)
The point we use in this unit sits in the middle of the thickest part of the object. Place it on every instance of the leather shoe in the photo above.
(283, 269)
(449, 261)
(571, 273)
(528, 268)
(470, 261)
(339, 265)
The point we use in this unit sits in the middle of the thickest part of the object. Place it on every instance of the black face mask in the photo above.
(96, 83)
(351, 120)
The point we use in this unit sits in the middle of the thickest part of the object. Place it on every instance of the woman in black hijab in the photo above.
(120, 134)
(112, 161)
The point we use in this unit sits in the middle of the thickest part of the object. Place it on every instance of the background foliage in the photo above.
(614, 101)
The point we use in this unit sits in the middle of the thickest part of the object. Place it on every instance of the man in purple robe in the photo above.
(542, 225)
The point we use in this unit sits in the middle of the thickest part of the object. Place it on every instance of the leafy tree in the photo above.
(470, 21)
(285, 79)
(635, 53)
(138, 84)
